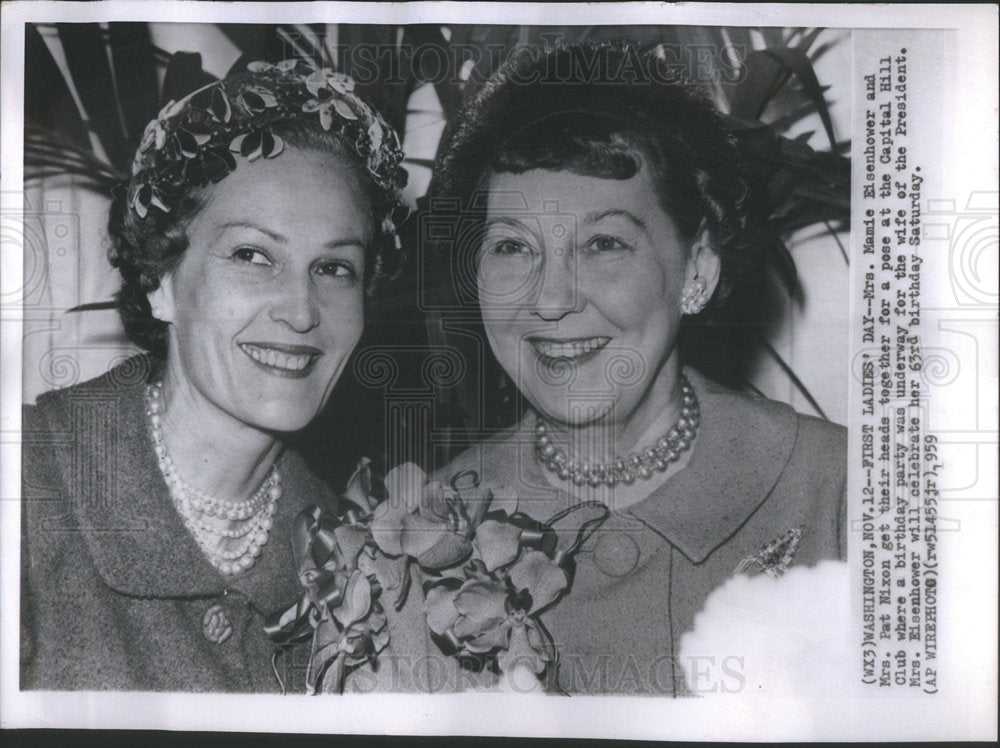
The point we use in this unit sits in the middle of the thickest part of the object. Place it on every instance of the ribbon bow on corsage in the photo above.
(339, 603)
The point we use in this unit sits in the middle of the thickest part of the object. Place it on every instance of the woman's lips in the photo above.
(282, 359)
(568, 349)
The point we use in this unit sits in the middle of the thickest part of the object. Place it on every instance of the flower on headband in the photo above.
(190, 138)
(259, 66)
(256, 100)
(213, 165)
(375, 136)
(220, 107)
(330, 92)
(326, 78)
(155, 133)
(144, 196)
(191, 141)
(399, 214)
(257, 143)
(326, 103)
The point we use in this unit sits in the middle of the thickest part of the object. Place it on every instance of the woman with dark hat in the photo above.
(611, 210)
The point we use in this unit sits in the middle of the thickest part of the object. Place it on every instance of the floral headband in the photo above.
(193, 141)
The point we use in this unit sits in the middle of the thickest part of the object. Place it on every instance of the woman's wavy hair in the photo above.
(603, 110)
(146, 248)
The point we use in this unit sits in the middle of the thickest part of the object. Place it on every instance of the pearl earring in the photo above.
(694, 297)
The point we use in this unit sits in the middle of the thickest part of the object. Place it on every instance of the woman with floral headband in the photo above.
(159, 500)
(607, 208)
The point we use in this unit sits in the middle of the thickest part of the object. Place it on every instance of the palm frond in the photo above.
(780, 258)
(796, 61)
(50, 154)
(808, 38)
(840, 245)
(763, 77)
(48, 104)
(94, 306)
(87, 58)
(135, 76)
(370, 54)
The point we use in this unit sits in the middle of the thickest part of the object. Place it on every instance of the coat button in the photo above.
(215, 624)
(616, 553)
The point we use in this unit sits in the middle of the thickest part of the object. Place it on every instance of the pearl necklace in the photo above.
(257, 512)
(642, 464)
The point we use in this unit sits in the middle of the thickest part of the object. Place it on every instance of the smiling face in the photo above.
(266, 303)
(579, 283)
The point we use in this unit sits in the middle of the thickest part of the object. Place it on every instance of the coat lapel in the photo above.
(742, 448)
(136, 539)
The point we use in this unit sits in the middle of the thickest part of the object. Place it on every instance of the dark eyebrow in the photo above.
(350, 241)
(596, 216)
(516, 223)
(247, 225)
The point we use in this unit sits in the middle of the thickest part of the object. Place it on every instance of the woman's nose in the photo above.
(295, 305)
(558, 289)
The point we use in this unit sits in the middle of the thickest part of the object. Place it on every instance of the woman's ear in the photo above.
(706, 263)
(703, 271)
(161, 301)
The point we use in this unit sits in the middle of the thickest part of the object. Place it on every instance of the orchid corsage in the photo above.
(488, 574)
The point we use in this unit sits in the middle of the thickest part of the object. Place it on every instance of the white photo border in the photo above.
(966, 706)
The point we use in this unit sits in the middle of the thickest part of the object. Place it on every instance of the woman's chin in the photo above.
(281, 418)
(570, 411)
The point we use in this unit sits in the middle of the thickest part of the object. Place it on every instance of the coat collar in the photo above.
(742, 448)
(154, 556)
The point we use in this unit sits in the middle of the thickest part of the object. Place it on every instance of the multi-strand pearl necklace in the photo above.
(256, 513)
(625, 470)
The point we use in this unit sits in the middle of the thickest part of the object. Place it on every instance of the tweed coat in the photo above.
(114, 588)
(759, 474)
